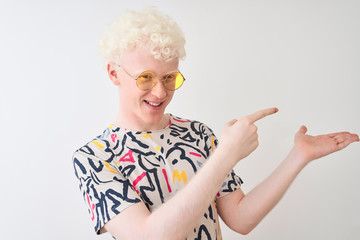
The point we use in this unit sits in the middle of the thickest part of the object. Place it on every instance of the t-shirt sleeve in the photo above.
(232, 181)
(105, 190)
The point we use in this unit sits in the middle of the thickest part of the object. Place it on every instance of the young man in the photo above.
(152, 175)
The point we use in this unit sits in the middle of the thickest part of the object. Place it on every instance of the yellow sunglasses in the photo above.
(147, 80)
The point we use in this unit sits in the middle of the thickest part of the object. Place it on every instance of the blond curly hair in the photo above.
(150, 29)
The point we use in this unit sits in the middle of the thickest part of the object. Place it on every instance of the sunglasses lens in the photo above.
(173, 81)
(146, 80)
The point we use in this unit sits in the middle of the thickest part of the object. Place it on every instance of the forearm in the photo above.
(259, 202)
(178, 216)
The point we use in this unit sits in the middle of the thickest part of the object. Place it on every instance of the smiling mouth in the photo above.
(153, 104)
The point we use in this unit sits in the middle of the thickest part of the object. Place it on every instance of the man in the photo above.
(152, 175)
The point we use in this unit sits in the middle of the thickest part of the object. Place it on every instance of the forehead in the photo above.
(141, 59)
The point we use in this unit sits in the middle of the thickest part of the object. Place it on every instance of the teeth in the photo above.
(153, 104)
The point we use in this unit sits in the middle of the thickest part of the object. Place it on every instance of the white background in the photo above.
(300, 56)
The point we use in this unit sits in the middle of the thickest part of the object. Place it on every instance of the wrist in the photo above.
(298, 157)
(222, 160)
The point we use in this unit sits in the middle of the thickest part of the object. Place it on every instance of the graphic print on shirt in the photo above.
(122, 167)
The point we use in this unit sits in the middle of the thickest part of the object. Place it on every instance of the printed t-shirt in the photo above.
(123, 167)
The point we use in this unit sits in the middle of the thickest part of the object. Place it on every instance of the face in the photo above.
(141, 110)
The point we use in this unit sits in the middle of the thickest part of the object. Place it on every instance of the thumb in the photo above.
(302, 130)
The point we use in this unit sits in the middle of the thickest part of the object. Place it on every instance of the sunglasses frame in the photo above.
(163, 79)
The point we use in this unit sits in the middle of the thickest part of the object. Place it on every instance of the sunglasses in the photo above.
(147, 80)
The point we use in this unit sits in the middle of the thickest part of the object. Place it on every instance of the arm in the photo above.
(176, 218)
(243, 213)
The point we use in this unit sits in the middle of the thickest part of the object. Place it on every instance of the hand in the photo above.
(314, 147)
(239, 137)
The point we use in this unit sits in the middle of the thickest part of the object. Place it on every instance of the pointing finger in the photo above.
(261, 114)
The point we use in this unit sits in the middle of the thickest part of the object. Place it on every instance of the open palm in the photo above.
(313, 147)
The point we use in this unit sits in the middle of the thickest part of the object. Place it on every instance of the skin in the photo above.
(135, 112)
(239, 211)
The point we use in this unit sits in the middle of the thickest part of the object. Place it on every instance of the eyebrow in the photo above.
(167, 73)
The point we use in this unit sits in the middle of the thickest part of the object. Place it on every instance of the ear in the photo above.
(113, 74)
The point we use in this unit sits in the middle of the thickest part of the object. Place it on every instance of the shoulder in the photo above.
(100, 147)
(193, 133)
(192, 125)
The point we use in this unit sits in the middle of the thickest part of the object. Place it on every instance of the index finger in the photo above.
(261, 114)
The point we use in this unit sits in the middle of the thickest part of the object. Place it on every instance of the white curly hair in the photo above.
(150, 29)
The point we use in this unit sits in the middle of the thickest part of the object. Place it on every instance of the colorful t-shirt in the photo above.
(123, 167)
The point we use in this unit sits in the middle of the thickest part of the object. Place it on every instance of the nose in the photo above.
(159, 90)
